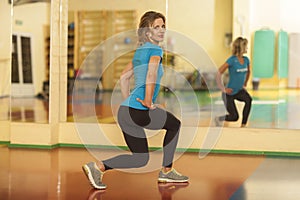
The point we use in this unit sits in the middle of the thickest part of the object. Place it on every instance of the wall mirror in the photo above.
(275, 103)
(30, 61)
(274, 100)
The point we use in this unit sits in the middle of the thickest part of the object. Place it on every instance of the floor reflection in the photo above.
(167, 190)
(270, 108)
(29, 110)
(95, 194)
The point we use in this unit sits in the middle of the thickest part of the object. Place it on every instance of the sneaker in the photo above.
(172, 176)
(243, 125)
(94, 175)
(218, 122)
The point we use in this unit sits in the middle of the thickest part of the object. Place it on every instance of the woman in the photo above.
(239, 72)
(138, 111)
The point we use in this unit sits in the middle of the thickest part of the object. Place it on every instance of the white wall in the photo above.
(275, 14)
(290, 15)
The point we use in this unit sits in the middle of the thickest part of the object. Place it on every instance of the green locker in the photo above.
(263, 54)
(283, 52)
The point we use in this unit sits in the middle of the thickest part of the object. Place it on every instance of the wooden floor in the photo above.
(56, 175)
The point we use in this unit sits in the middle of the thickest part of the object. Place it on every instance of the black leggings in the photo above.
(132, 123)
(233, 115)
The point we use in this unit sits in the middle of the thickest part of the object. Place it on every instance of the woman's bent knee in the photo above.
(140, 159)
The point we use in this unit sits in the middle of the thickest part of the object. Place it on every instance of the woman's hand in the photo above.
(149, 105)
(228, 90)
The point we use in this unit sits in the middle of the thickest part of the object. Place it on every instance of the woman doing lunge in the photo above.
(138, 111)
(238, 66)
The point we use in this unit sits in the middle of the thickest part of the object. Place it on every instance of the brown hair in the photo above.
(239, 46)
(146, 22)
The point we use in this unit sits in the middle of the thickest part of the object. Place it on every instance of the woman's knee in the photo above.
(235, 117)
(172, 123)
(140, 159)
(177, 123)
(232, 117)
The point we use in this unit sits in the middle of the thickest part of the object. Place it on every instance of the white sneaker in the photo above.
(172, 176)
(94, 174)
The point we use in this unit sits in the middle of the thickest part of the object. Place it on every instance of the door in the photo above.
(21, 71)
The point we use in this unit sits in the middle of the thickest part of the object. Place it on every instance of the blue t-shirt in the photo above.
(237, 73)
(140, 62)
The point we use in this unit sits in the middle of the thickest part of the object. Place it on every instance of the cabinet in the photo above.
(124, 22)
(87, 30)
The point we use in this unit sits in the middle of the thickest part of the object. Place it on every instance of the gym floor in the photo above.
(56, 174)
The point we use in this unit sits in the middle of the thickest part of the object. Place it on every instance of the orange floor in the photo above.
(56, 174)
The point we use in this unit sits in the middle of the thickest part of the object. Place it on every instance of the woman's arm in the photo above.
(126, 74)
(219, 79)
(150, 81)
(247, 76)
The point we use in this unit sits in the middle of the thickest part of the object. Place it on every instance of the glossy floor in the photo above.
(56, 175)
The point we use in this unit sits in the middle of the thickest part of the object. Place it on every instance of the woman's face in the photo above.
(245, 48)
(158, 30)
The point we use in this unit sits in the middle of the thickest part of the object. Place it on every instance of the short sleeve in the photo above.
(247, 61)
(156, 51)
(229, 61)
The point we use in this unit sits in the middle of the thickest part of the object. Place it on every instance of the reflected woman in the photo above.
(138, 111)
(238, 67)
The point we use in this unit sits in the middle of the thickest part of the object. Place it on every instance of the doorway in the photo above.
(21, 68)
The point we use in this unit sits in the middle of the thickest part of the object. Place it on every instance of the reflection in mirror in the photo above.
(5, 60)
(30, 61)
(273, 101)
(274, 84)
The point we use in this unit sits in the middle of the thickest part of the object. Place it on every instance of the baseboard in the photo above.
(189, 150)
